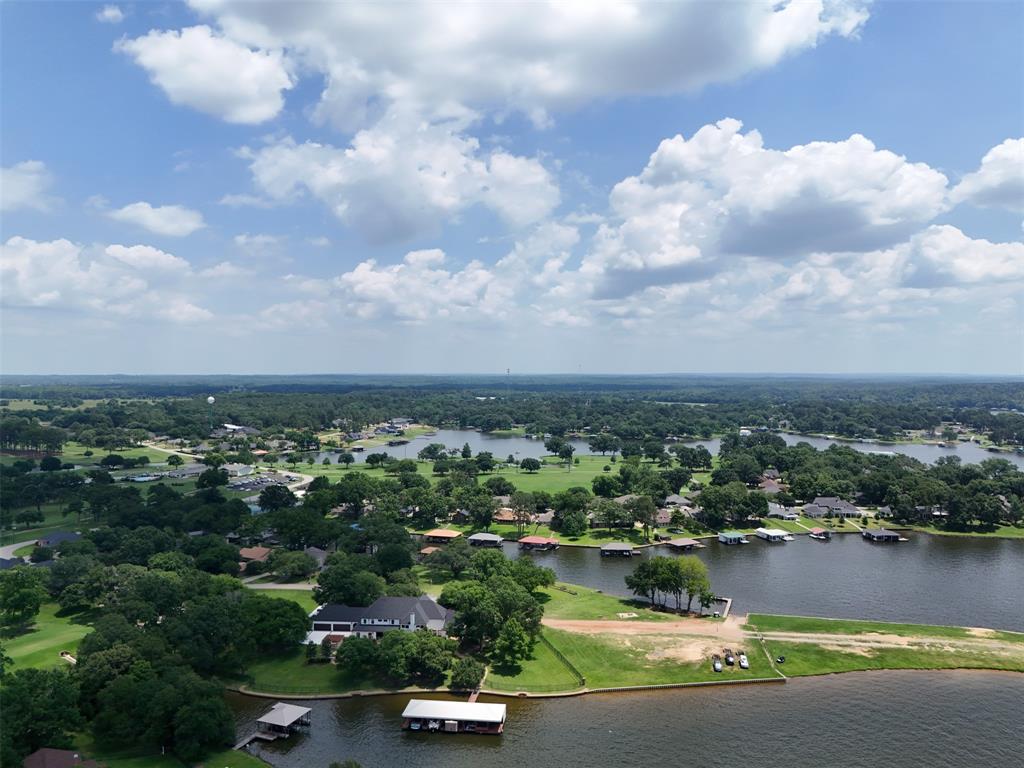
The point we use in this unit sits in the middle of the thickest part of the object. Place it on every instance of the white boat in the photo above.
(788, 537)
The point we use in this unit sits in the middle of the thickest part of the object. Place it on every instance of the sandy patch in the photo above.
(981, 632)
(857, 650)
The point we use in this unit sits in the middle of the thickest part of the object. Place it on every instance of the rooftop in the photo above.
(485, 537)
(443, 533)
(284, 714)
(617, 545)
(431, 709)
(537, 540)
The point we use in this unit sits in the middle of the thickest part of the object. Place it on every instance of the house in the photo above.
(441, 535)
(252, 554)
(504, 515)
(317, 554)
(538, 542)
(616, 549)
(781, 512)
(880, 534)
(485, 540)
(282, 719)
(663, 517)
(732, 537)
(56, 538)
(675, 500)
(427, 551)
(626, 498)
(384, 615)
(769, 486)
(453, 716)
(823, 506)
(544, 518)
(771, 474)
(238, 470)
(57, 758)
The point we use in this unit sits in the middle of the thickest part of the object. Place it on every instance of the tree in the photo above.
(292, 566)
(499, 486)
(529, 465)
(212, 478)
(40, 709)
(393, 557)
(21, 594)
(467, 452)
(174, 460)
(344, 582)
(608, 513)
(643, 581)
(695, 581)
(346, 459)
(275, 497)
(357, 654)
(523, 508)
(565, 454)
(466, 674)
(5, 662)
(455, 557)
(512, 644)
(605, 485)
(642, 510)
(50, 463)
(202, 724)
(574, 523)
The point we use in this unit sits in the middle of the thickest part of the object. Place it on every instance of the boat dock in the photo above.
(453, 716)
(279, 722)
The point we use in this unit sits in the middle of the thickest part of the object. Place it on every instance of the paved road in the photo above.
(8, 550)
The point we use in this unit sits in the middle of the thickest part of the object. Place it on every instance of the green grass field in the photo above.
(773, 623)
(590, 604)
(543, 671)
(304, 597)
(999, 532)
(39, 647)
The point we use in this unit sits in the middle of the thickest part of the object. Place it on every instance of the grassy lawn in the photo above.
(608, 662)
(542, 672)
(771, 623)
(136, 758)
(786, 525)
(999, 532)
(289, 673)
(39, 647)
(591, 604)
(304, 597)
(811, 659)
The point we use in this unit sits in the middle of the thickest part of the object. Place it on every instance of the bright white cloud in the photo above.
(24, 185)
(172, 220)
(404, 177)
(944, 255)
(110, 14)
(494, 57)
(198, 68)
(223, 269)
(122, 281)
(999, 182)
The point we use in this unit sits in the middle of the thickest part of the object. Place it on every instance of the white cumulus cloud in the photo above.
(110, 14)
(24, 185)
(172, 220)
(199, 68)
(999, 182)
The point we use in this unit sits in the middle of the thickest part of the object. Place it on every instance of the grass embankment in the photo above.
(999, 532)
(806, 659)
(39, 646)
(542, 672)
(813, 624)
(590, 604)
(136, 758)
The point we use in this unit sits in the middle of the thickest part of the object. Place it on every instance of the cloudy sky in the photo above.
(228, 186)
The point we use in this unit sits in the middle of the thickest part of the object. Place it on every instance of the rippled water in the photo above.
(928, 580)
(861, 720)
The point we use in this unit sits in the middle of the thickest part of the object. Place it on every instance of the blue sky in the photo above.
(286, 188)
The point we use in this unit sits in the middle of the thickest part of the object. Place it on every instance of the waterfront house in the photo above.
(485, 540)
(617, 549)
(824, 506)
(385, 614)
(504, 515)
(781, 512)
(453, 716)
(880, 534)
(732, 537)
(441, 535)
(538, 542)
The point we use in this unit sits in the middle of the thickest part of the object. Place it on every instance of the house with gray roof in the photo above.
(386, 614)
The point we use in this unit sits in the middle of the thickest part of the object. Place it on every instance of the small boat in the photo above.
(415, 725)
(716, 663)
(729, 658)
(788, 537)
(744, 664)
(434, 725)
(780, 660)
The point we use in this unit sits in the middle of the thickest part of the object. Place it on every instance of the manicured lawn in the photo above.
(608, 662)
(39, 647)
(593, 605)
(811, 659)
(542, 672)
(771, 623)
(786, 525)
(999, 532)
(75, 454)
(289, 673)
(304, 597)
(135, 758)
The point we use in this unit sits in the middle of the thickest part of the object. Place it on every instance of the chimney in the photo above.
(412, 620)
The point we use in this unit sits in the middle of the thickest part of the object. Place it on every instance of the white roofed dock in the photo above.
(453, 716)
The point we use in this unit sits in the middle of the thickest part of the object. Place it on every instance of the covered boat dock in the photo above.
(684, 545)
(538, 542)
(453, 716)
(880, 534)
(617, 549)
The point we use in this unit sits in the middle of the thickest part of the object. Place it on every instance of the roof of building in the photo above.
(537, 540)
(384, 608)
(432, 709)
(732, 534)
(626, 497)
(10, 562)
(617, 545)
(818, 530)
(259, 554)
(443, 533)
(48, 757)
(675, 499)
(772, 531)
(682, 542)
(59, 537)
(429, 550)
(831, 502)
(485, 537)
(284, 714)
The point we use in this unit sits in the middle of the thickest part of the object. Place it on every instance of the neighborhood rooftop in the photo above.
(430, 709)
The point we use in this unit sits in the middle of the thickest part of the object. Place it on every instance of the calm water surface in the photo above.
(862, 720)
(928, 580)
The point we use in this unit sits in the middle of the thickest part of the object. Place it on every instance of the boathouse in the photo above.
(283, 719)
(441, 535)
(537, 542)
(453, 716)
(617, 549)
(879, 534)
(732, 537)
(485, 540)
(821, 533)
(683, 545)
(771, 534)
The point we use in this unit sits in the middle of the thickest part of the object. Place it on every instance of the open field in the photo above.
(590, 604)
(39, 647)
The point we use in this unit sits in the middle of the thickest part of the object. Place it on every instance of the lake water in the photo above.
(521, 447)
(904, 719)
(927, 580)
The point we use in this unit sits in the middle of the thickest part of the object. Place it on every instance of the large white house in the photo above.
(386, 614)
